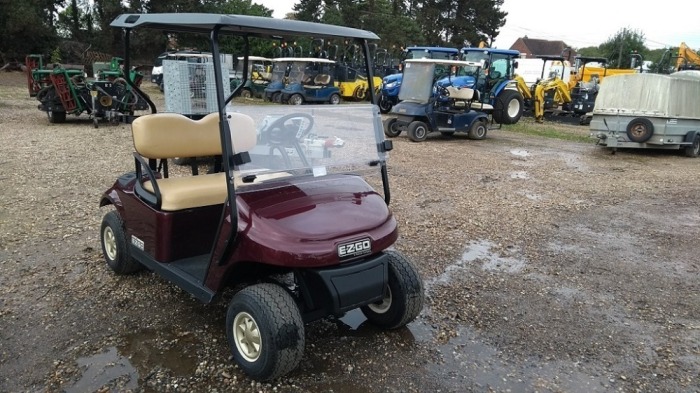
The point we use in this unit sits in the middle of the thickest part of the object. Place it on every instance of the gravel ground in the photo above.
(548, 265)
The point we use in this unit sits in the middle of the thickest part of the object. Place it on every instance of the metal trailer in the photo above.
(649, 111)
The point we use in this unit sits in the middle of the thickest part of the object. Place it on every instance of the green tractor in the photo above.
(63, 90)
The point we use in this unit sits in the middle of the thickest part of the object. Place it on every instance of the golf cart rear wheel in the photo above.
(694, 149)
(296, 99)
(335, 99)
(508, 107)
(246, 93)
(403, 299)
(56, 117)
(391, 129)
(640, 130)
(277, 97)
(478, 130)
(418, 131)
(115, 247)
(265, 331)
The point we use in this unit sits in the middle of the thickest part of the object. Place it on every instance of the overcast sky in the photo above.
(584, 23)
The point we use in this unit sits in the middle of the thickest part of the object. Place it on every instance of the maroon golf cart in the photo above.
(288, 218)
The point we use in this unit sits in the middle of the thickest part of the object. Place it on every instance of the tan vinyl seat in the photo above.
(170, 135)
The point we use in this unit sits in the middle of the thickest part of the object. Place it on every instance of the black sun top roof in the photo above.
(257, 26)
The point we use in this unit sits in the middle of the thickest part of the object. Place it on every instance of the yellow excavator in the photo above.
(550, 93)
(687, 59)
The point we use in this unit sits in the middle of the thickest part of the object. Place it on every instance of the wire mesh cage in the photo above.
(190, 88)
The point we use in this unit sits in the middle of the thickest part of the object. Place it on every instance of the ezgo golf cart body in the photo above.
(431, 100)
(289, 222)
(311, 80)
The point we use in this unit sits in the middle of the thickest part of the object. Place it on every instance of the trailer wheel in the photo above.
(56, 117)
(640, 130)
(694, 149)
(115, 247)
(391, 129)
(403, 299)
(418, 131)
(265, 331)
(478, 130)
(508, 107)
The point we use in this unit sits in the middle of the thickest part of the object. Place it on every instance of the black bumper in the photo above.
(334, 291)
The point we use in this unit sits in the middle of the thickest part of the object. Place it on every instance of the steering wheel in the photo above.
(289, 128)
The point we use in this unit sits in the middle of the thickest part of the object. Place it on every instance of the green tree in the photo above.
(27, 27)
(617, 49)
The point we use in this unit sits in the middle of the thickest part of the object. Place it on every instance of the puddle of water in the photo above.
(533, 197)
(471, 362)
(103, 369)
(176, 352)
(355, 323)
(478, 251)
(520, 153)
(353, 319)
(519, 175)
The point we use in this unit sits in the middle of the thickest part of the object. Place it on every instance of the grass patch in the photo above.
(549, 130)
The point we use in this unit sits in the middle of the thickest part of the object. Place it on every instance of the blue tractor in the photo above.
(434, 98)
(392, 83)
(494, 83)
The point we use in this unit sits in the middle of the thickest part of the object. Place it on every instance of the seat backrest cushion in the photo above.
(169, 135)
(460, 94)
(322, 79)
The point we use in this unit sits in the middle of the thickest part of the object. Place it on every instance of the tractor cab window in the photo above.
(500, 67)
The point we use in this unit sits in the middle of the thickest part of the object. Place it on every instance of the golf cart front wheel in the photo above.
(418, 131)
(265, 331)
(478, 130)
(391, 128)
(115, 247)
(403, 297)
(296, 99)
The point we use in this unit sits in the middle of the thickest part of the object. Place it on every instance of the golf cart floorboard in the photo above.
(187, 273)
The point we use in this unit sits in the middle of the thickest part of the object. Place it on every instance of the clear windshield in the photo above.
(313, 140)
(417, 83)
(475, 56)
(297, 72)
(278, 71)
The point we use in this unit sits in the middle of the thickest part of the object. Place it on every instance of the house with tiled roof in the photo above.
(531, 47)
